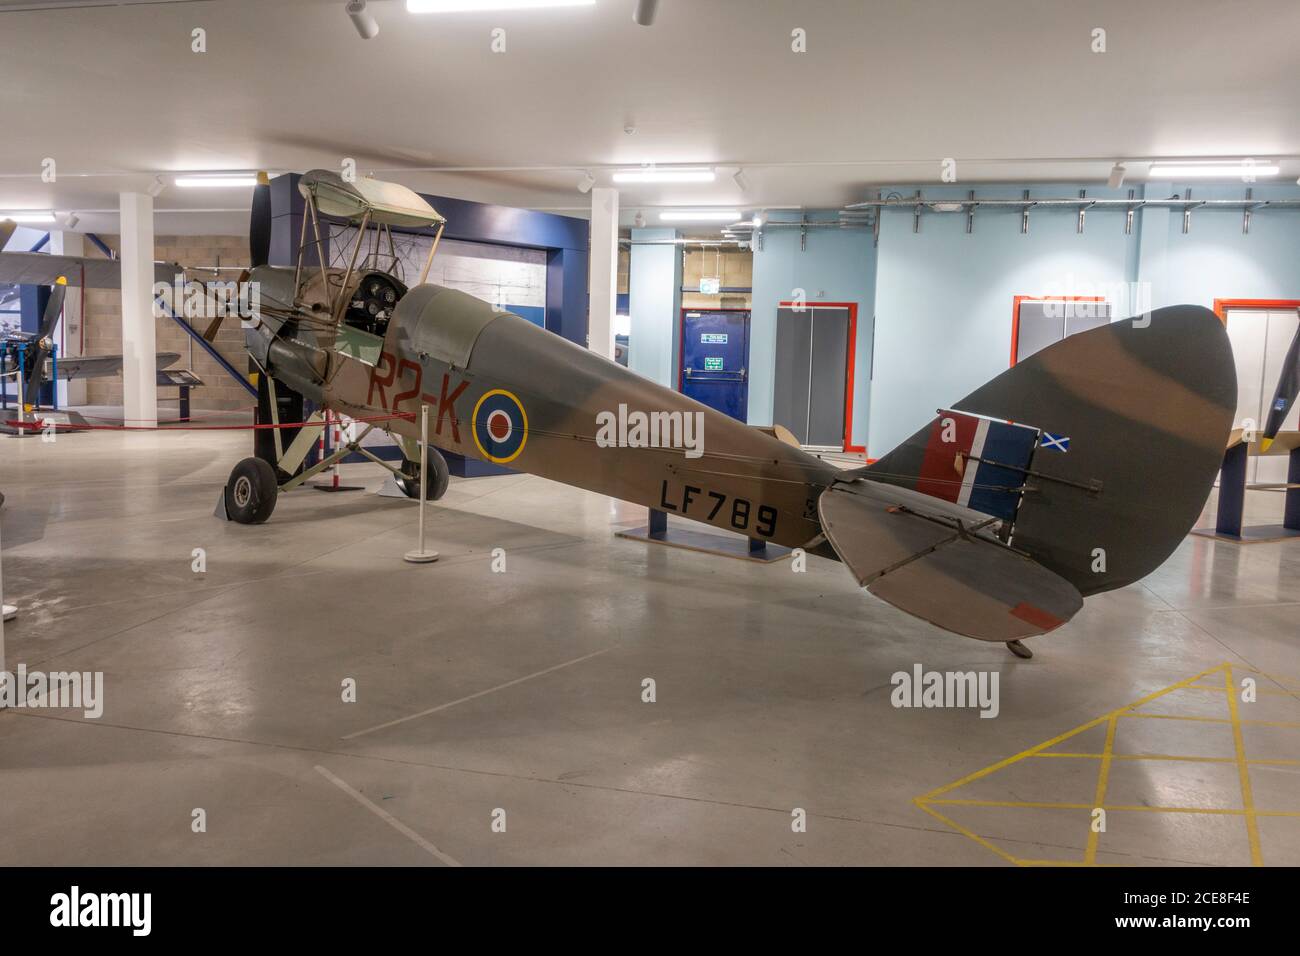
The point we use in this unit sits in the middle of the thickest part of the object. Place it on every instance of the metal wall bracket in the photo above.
(1024, 216)
(1083, 194)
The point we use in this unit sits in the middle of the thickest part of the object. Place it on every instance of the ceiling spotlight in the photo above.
(738, 177)
(645, 12)
(33, 216)
(70, 221)
(639, 221)
(586, 182)
(1217, 169)
(699, 215)
(758, 220)
(1116, 176)
(215, 182)
(157, 186)
(366, 24)
(648, 174)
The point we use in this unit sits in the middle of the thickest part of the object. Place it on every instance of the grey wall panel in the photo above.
(830, 345)
(1038, 330)
(790, 384)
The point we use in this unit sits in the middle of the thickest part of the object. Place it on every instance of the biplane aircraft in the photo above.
(29, 358)
(1077, 471)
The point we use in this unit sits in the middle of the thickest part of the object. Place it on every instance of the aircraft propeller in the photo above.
(259, 223)
(44, 337)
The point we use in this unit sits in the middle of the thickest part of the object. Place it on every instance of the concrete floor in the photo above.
(773, 689)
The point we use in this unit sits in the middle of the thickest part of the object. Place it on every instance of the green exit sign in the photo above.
(713, 365)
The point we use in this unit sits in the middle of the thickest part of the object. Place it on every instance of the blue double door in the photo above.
(715, 359)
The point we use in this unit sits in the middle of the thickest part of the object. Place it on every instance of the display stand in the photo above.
(1233, 487)
(657, 531)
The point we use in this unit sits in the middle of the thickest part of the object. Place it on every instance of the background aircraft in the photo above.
(38, 268)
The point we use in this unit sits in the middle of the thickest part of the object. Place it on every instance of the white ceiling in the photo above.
(886, 90)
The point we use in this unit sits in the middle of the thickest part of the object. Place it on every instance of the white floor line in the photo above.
(387, 817)
(482, 693)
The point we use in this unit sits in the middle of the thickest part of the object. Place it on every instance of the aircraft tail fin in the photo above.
(1097, 452)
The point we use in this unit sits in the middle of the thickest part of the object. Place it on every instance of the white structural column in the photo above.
(603, 270)
(69, 333)
(139, 364)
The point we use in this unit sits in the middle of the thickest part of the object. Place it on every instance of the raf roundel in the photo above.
(500, 426)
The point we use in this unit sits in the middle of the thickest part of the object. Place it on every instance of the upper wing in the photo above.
(37, 268)
(925, 557)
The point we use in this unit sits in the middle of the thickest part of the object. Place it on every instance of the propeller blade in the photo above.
(54, 307)
(210, 334)
(7, 227)
(259, 223)
(39, 351)
(1288, 387)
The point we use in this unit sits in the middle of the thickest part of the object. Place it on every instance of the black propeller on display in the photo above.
(1288, 387)
(44, 338)
(259, 242)
(259, 223)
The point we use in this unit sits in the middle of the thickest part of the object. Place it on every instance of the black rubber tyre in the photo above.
(251, 491)
(439, 476)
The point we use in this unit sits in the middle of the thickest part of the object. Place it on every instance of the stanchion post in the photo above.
(421, 555)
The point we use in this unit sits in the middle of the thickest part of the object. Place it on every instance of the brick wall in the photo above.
(103, 326)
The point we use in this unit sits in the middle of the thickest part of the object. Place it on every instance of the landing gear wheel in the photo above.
(1015, 647)
(439, 476)
(251, 491)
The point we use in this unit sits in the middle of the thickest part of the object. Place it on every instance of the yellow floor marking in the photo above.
(1243, 772)
(1103, 778)
(1139, 808)
(1065, 736)
(1289, 725)
(974, 836)
(1248, 811)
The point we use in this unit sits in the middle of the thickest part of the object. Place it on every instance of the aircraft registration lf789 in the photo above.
(1076, 471)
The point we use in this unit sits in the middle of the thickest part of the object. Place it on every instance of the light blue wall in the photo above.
(839, 265)
(1215, 260)
(941, 300)
(654, 306)
(944, 298)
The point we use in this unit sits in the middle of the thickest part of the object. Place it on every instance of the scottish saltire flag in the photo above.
(1055, 442)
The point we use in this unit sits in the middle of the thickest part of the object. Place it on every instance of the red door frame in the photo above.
(1015, 312)
(1221, 306)
(849, 365)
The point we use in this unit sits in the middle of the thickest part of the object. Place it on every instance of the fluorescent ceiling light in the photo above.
(651, 175)
(215, 182)
(1222, 170)
(28, 215)
(482, 6)
(699, 215)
